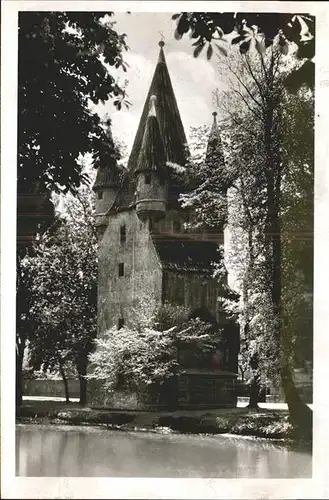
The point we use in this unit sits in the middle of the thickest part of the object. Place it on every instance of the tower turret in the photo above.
(108, 178)
(106, 186)
(150, 170)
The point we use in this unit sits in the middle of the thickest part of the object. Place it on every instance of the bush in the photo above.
(146, 356)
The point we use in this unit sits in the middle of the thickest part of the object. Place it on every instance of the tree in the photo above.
(248, 30)
(297, 226)
(64, 62)
(229, 191)
(145, 356)
(24, 319)
(64, 271)
(259, 171)
(64, 66)
(268, 97)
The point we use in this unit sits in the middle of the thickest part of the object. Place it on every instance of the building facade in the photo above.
(147, 256)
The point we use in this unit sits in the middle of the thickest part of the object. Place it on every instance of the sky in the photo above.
(193, 79)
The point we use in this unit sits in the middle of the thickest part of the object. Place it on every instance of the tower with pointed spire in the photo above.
(147, 257)
(150, 170)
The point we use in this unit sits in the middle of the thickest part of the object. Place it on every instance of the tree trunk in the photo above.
(242, 373)
(299, 413)
(254, 389)
(301, 416)
(19, 375)
(82, 371)
(254, 393)
(65, 382)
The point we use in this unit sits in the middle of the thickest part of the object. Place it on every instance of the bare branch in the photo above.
(246, 89)
(254, 77)
(251, 109)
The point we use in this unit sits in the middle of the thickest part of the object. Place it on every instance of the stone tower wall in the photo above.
(140, 289)
(103, 204)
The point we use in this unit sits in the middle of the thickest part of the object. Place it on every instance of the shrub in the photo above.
(135, 357)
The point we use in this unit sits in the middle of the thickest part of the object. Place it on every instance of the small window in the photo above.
(100, 195)
(121, 323)
(123, 234)
(121, 269)
(147, 178)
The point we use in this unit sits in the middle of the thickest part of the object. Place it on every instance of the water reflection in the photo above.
(86, 451)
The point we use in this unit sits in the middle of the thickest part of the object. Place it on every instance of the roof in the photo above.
(165, 129)
(108, 171)
(126, 194)
(170, 123)
(107, 177)
(152, 155)
(177, 254)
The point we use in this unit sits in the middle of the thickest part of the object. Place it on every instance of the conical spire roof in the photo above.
(108, 173)
(214, 149)
(152, 157)
(169, 120)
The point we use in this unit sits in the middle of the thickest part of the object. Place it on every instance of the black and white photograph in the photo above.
(164, 248)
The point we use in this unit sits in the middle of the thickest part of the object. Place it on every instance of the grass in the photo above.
(272, 424)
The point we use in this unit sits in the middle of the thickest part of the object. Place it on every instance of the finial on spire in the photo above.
(214, 114)
(161, 43)
(152, 111)
(214, 123)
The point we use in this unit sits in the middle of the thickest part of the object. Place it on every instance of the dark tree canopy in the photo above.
(60, 71)
(207, 28)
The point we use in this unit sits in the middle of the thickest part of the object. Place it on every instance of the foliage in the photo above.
(141, 355)
(206, 197)
(62, 58)
(264, 166)
(297, 226)
(252, 30)
(64, 287)
(168, 316)
(25, 320)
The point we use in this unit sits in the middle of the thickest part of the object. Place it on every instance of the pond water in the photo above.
(92, 451)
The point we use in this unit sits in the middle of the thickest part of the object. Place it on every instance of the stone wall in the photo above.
(51, 388)
(140, 289)
(198, 390)
(98, 397)
(188, 391)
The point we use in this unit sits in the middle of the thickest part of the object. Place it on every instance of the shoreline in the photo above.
(160, 432)
(271, 425)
